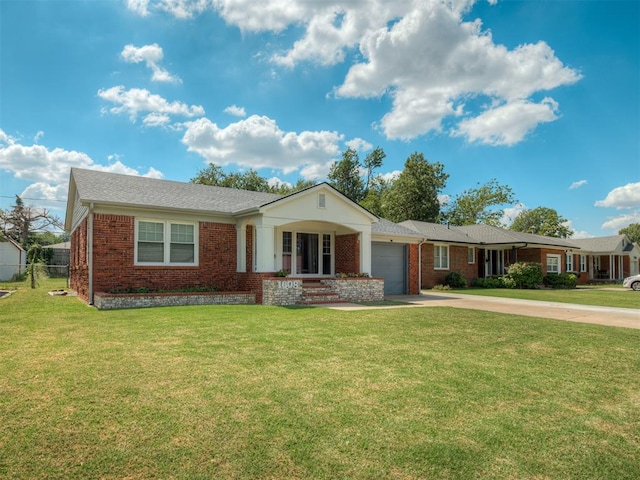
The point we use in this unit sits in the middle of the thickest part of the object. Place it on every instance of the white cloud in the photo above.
(577, 184)
(432, 63)
(137, 100)
(48, 170)
(141, 7)
(38, 136)
(36, 163)
(392, 176)
(622, 221)
(509, 214)
(581, 234)
(236, 111)
(156, 120)
(5, 138)
(422, 53)
(443, 199)
(258, 142)
(627, 196)
(359, 145)
(316, 171)
(151, 55)
(275, 182)
(508, 124)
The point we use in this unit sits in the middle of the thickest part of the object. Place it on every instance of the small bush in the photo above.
(525, 274)
(455, 280)
(494, 282)
(441, 287)
(508, 282)
(560, 280)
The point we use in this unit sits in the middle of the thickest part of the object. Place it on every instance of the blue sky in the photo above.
(544, 96)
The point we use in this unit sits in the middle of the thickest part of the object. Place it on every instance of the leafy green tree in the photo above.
(345, 176)
(21, 222)
(414, 194)
(475, 205)
(286, 189)
(248, 180)
(632, 231)
(49, 238)
(373, 200)
(542, 221)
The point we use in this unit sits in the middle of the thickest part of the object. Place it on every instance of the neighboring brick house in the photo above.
(131, 232)
(480, 251)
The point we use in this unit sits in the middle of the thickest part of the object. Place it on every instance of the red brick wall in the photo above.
(252, 282)
(458, 262)
(249, 248)
(414, 288)
(347, 256)
(539, 255)
(78, 268)
(114, 268)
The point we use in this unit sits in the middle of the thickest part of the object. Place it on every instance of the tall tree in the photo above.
(22, 222)
(345, 175)
(632, 231)
(372, 161)
(542, 221)
(475, 205)
(414, 194)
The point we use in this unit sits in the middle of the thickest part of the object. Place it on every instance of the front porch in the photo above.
(609, 268)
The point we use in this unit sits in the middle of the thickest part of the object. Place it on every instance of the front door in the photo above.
(307, 253)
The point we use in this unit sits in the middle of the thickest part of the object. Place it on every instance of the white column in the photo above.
(612, 267)
(365, 252)
(265, 248)
(241, 247)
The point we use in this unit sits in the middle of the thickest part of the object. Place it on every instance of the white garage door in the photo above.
(389, 261)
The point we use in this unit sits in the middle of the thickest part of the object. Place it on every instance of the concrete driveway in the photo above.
(611, 316)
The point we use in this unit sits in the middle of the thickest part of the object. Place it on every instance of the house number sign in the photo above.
(288, 284)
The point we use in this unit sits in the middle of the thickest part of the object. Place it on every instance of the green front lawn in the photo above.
(267, 392)
(618, 297)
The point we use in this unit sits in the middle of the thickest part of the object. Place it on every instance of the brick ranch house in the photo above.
(130, 233)
(480, 251)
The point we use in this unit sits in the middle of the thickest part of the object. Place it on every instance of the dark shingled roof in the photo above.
(488, 234)
(438, 232)
(601, 244)
(117, 189)
(386, 227)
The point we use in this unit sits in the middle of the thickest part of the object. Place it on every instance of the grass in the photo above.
(622, 298)
(249, 392)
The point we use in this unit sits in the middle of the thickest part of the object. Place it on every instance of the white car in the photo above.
(632, 282)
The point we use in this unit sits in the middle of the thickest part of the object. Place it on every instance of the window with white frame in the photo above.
(163, 242)
(471, 255)
(286, 251)
(553, 263)
(441, 257)
(583, 263)
(569, 262)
